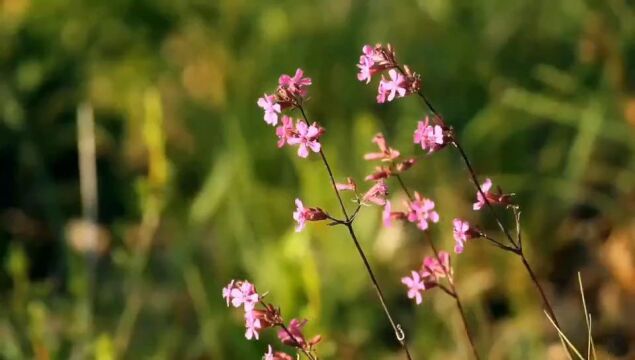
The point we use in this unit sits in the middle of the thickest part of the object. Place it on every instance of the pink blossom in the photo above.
(365, 69)
(395, 86)
(269, 353)
(421, 210)
(462, 233)
(227, 291)
(388, 215)
(374, 60)
(437, 268)
(493, 198)
(244, 294)
(415, 286)
(307, 137)
(381, 172)
(302, 214)
(252, 323)
(296, 84)
(285, 130)
(348, 186)
(405, 165)
(272, 109)
(385, 153)
(430, 137)
(376, 194)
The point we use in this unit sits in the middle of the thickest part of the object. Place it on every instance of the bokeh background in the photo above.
(191, 191)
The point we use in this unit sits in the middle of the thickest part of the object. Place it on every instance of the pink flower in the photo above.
(492, 198)
(302, 214)
(244, 294)
(395, 86)
(381, 172)
(307, 137)
(285, 130)
(430, 137)
(437, 268)
(349, 186)
(227, 291)
(296, 84)
(405, 165)
(388, 215)
(252, 323)
(421, 211)
(415, 286)
(269, 353)
(385, 153)
(297, 337)
(374, 60)
(272, 109)
(462, 233)
(376, 194)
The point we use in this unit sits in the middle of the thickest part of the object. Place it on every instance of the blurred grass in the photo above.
(193, 191)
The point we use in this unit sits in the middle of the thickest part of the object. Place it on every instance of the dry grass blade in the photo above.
(564, 337)
(587, 318)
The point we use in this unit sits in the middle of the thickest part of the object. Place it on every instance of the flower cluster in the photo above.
(400, 82)
(432, 135)
(492, 198)
(432, 270)
(463, 232)
(290, 92)
(243, 294)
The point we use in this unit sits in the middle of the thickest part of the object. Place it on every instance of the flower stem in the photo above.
(399, 333)
(297, 343)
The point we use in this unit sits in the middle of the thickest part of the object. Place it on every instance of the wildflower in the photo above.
(388, 215)
(252, 323)
(395, 86)
(302, 214)
(421, 210)
(307, 137)
(296, 84)
(437, 268)
(244, 293)
(350, 185)
(295, 337)
(405, 165)
(462, 233)
(285, 130)
(385, 153)
(376, 194)
(415, 286)
(375, 59)
(430, 137)
(272, 109)
(492, 198)
(381, 172)
(227, 291)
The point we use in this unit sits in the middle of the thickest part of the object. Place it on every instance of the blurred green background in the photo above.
(192, 191)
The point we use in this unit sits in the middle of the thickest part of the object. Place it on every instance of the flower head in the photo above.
(376, 194)
(415, 286)
(302, 215)
(462, 233)
(285, 130)
(348, 186)
(307, 137)
(386, 153)
(430, 137)
(295, 337)
(295, 85)
(272, 109)
(437, 268)
(375, 59)
(243, 293)
(421, 211)
(388, 215)
(395, 86)
(490, 197)
(252, 323)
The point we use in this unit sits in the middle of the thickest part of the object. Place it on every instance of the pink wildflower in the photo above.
(381, 172)
(227, 292)
(421, 211)
(272, 109)
(252, 323)
(385, 153)
(376, 194)
(462, 233)
(348, 186)
(307, 137)
(297, 337)
(296, 84)
(374, 60)
(302, 214)
(492, 198)
(415, 286)
(285, 131)
(389, 89)
(437, 268)
(388, 215)
(430, 137)
(244, 293)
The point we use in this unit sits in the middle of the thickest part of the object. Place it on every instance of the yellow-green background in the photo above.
(193, 191)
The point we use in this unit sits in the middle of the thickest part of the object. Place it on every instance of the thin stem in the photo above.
(403, 186)
(399, 333)
(296, 342)
(545, 301)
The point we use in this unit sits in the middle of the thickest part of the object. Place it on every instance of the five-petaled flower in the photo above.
(462, 233)
(415, 286)
(421, 211)
(242, 293)
(307, 137)
(395, 86)
(375, 59)
(490, 197)
(271, 108)
(430, 137)
(295, 85)
(302, 215)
